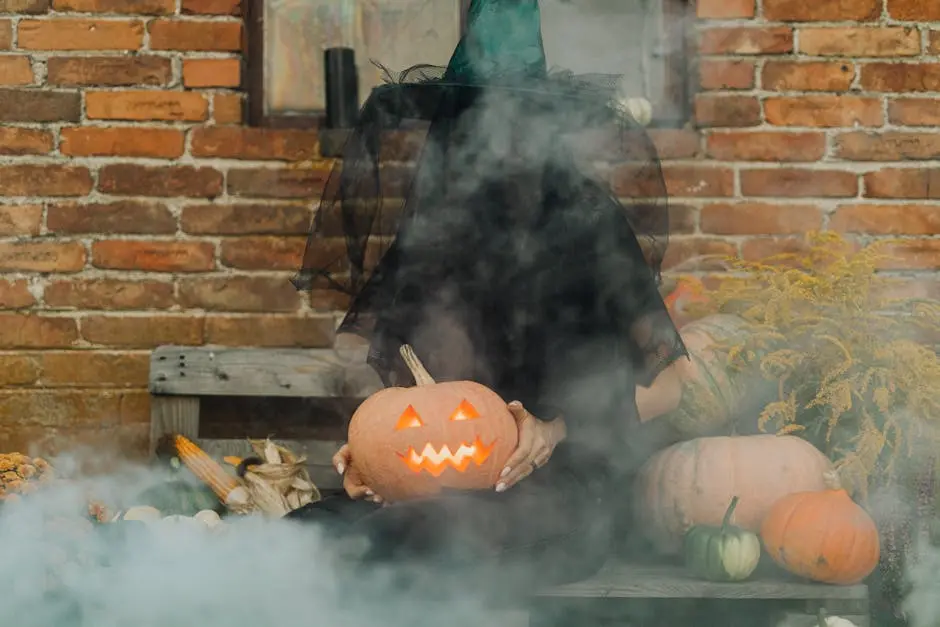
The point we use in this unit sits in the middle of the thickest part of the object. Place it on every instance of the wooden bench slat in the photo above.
(210, 371)
(620, 580)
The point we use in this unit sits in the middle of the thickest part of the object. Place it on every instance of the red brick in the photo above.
(823, 111)
(179, 106)
(766, 248)
(807, 76)
(914, 11)
(815, 11)
(888, 146)
(230, 142)
(52, 420)
(883, 41)
(698, 181)
(674, 143)
(726, 74)
(30, 331)
(109, 294)
(212, 7)
(914, 111)
(249, 294)
(41, 256)
(713, 110)
(277, 183)
(697, 253)
(18, 370)
(159, 143)
(25, 141)
(799, 183)
(212, 73)
(273, 331)
(109, 71)
(80, 34)
(141, 180)
(898, 78)
(22, 105)
(18, 220)
(142, 331)
(328, 301)
(263, 253)
(933, 42)
(253, 219)
(766, 146)
(115, 217)
(227, 108)
(754, 218)
(900, 219)
(206, 36)
(724, 9)
(94, 369)
(120, 7)
(747, 40)
(911, 183)
(6, 34)
(912, 254)
(15, 295)
(29, 7)
(153, 256)
(44, 180)
(16, 70)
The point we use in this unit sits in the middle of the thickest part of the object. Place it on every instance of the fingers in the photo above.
(341, 459)
(523, 448)
(356, 489)
(520, 413)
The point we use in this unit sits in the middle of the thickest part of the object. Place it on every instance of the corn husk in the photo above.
(277, 486)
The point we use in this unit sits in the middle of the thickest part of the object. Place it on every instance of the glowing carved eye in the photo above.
(409, 419)
(464, 411)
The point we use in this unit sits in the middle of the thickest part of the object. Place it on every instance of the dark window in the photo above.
(287, 38)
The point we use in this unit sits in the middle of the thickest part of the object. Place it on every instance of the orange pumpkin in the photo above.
(692, 482)
(822, 535)
(408, 443)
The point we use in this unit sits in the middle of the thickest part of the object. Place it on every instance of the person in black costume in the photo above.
(513, 264)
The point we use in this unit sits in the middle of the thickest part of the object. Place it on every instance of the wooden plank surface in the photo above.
(211, 371)
(621, 580)
(173, 414)
(319, 454)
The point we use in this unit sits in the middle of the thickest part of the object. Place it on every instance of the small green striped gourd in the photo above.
(725, 553)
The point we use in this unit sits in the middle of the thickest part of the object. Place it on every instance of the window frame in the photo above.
(679, 61)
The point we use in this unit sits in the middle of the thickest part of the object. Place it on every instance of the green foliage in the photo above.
(854, 367)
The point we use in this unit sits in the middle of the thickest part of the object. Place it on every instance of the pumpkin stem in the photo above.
(831, 479)
(418, 371)
(729, 513)
(821, 618)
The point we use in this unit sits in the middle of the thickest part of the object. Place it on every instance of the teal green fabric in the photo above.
(503, 42)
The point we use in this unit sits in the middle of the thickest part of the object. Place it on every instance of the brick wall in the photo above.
(136, 210)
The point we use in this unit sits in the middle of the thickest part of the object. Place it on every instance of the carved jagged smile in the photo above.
(436, 461)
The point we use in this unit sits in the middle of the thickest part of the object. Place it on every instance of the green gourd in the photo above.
(725, 553)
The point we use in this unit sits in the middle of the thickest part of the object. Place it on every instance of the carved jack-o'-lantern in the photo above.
(412, 442)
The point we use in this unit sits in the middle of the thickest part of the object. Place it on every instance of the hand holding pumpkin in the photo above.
(537, 442)
(352, 482)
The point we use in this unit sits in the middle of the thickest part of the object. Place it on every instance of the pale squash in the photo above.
(691, 483)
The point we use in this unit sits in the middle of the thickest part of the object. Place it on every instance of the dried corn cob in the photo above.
(204, 467)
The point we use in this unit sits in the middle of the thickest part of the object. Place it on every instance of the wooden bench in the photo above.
(180, 376)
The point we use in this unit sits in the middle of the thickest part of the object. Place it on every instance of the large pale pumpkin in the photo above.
(691, 483)
(714, 395)
(408, 443)
(822, 535)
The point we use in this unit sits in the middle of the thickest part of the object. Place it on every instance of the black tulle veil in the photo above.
(507, 221)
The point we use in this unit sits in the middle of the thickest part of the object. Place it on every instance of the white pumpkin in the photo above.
(142, 513)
